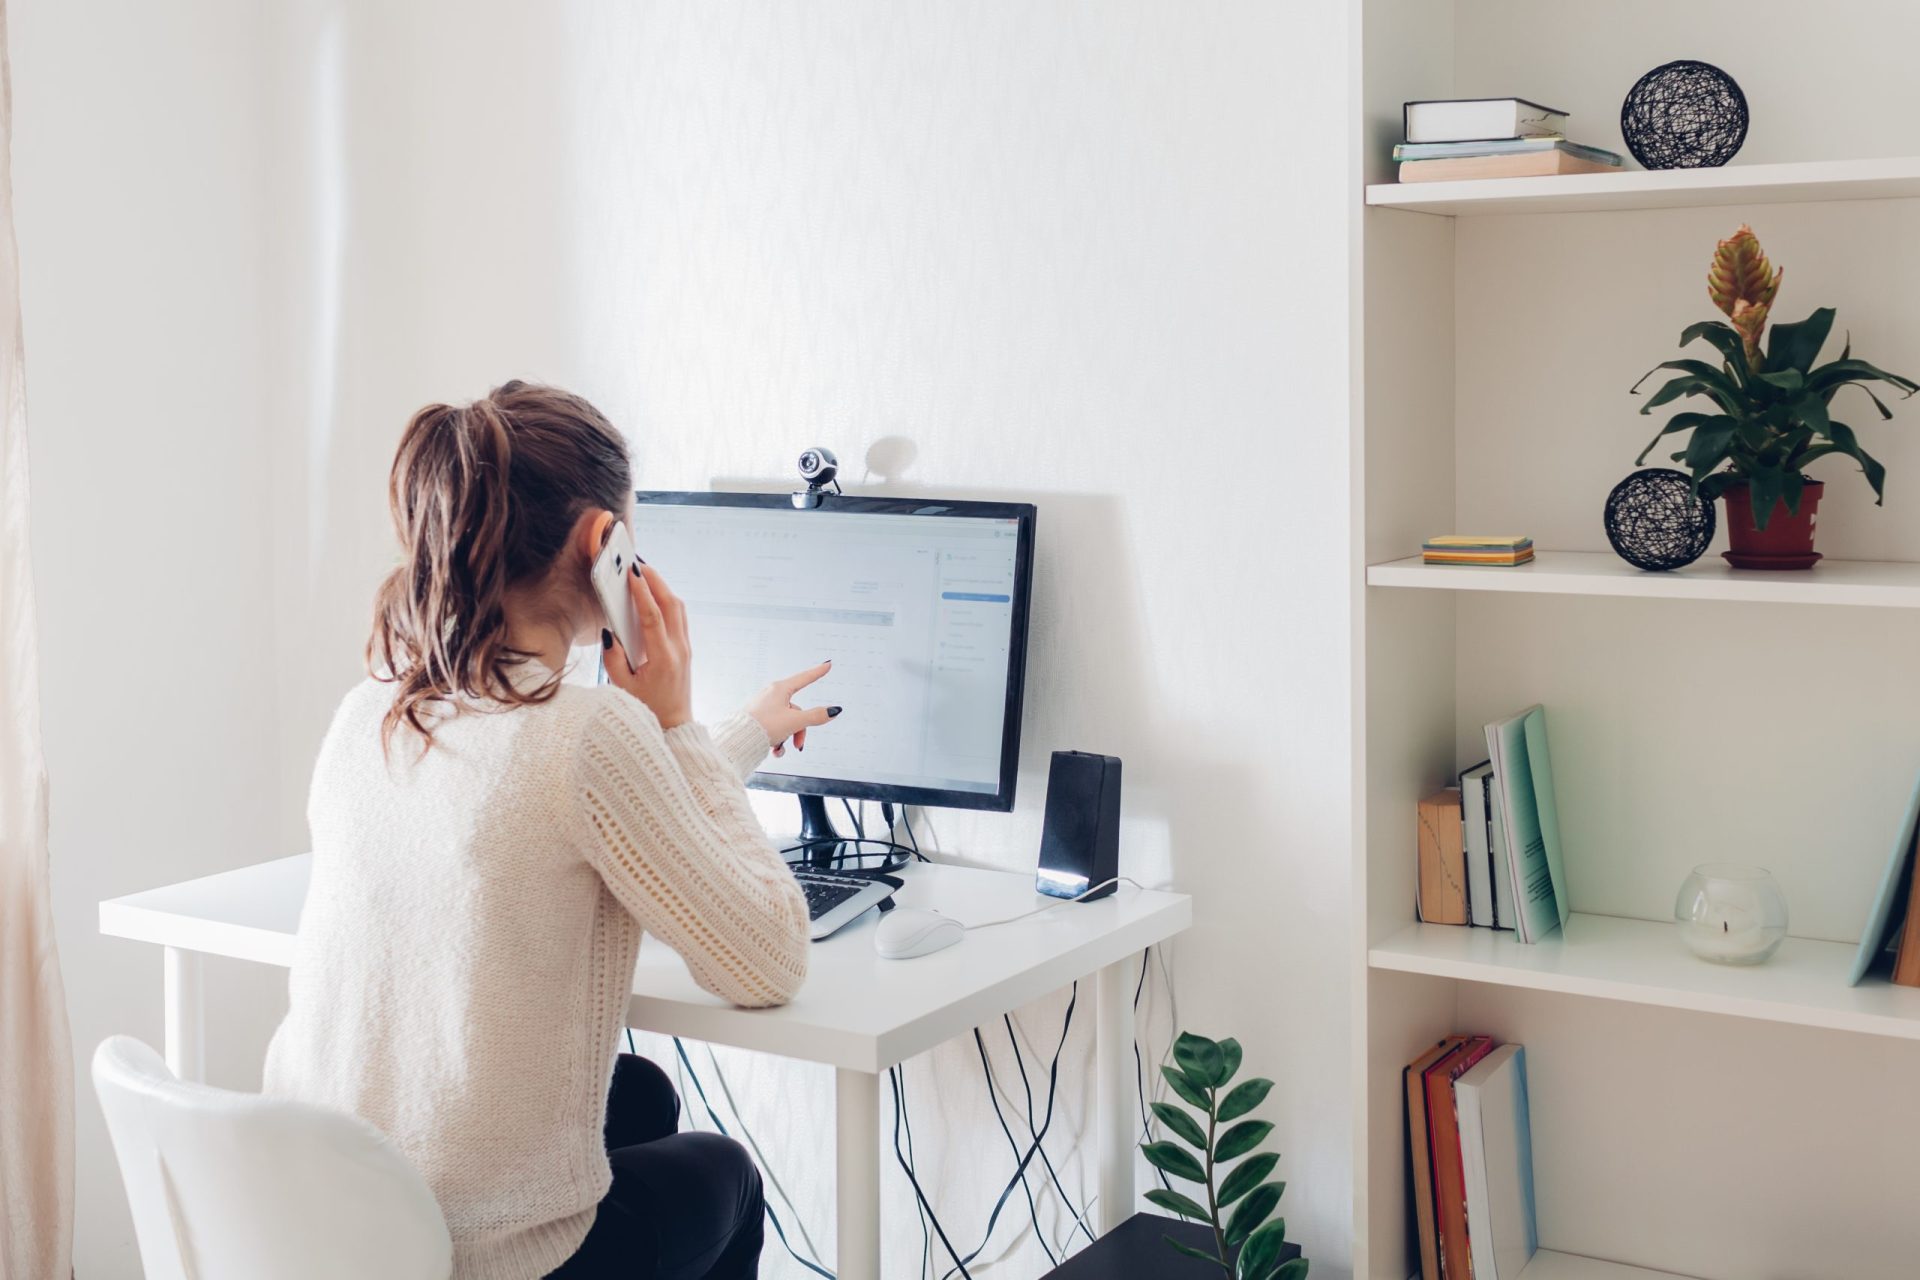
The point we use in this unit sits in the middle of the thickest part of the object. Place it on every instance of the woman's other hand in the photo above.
(773, 708)
(665, 679)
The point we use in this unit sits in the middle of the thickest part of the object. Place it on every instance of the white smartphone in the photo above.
(611, 569)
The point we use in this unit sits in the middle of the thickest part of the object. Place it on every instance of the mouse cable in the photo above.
(766, 1165)
(1053, 1081)
(714, 1116)
(993, 1096)
(1020, 1061)
(926, 1236)
(893, 1079)
(1053, 906)
(1139, 1066)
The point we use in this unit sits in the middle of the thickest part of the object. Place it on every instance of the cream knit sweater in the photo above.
(469, 937)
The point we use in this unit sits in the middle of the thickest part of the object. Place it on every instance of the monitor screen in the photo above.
(921, 605)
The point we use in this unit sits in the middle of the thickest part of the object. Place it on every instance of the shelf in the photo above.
(1644, 962)
(1886, 179)
(1547, 1265)
(1883, 583)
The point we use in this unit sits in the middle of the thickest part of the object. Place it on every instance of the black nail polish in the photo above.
(834, 711)
(636, 566)
(606, 638)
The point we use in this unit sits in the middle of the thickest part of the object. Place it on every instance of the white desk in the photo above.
(857, 1013)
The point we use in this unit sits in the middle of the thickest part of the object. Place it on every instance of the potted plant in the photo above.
(1770, 411)
(1246, 1246)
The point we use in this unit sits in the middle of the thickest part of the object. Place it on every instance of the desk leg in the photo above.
(1114, 1090)
(857, 1119)
(185, 1026)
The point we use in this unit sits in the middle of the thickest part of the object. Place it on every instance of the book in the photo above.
(1414, 1077)
(1906, 960)
(1541, 164)
(1449, 1176)
(1502, 864)
(1496, 1156)
(1463, 548)
(1527, 814)
(1883, 922)
(1440, 889)
(1479, 856)
(1406, 152)
(1459, 119)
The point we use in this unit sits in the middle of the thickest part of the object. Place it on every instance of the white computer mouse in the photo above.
(906, 932)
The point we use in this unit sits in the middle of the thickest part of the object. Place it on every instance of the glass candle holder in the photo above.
(1731, 914)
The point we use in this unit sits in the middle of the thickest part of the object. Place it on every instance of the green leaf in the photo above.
(1261, 1252)
(1187, 1089)
(1174, 1202)
(1181, 1123)
(1191, 1252)
(1811, 409)
(1722, 392)
(1726, 339)
(1685, 422)
(1844, 441)
(1247, 1175)
(1176, 1160)
(1292, 1269)
(1709, 447)
(1785, 379)
(1795, 346)
(1201, 1059)
(1230, 1053)
(1861, 387)
(1241, 1139)
(1246, 1095)
(1764, 485)
(1254, 1210)
(1849, 370)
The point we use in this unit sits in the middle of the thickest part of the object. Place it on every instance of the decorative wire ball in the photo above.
(1684, 115)
(1655, 521)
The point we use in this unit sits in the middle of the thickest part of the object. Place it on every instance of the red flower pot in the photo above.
(1786, 542)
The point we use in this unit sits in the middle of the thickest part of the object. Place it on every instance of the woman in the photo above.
(488, 846)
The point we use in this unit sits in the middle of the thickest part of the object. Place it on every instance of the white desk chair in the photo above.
(237, 1186)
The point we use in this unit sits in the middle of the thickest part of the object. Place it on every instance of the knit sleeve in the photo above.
(689, 861)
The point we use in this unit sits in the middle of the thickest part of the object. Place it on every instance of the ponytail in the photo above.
(483, 498)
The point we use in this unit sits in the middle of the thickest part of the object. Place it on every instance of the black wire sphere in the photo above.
(1684, 115)
(1655, 520)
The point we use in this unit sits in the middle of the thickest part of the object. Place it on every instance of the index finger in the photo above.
(645, 605)
(801, 679)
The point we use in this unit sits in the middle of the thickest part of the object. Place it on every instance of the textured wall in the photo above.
(1093, 256)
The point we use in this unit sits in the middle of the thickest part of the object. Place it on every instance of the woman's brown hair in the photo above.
(484, 497)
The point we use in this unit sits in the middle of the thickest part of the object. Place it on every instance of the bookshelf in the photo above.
(1872, 583)
(1896, 178)
(1496, 328)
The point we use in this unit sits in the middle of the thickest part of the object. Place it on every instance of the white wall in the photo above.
(1089, 255)
(142, 224)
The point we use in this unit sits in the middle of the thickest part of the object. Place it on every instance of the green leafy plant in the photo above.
(1772, 409)
(1200, 1073)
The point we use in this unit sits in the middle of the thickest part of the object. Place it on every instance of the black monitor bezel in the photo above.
(1000, 800)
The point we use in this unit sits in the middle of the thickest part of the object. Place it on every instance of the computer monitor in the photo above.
(921, 604)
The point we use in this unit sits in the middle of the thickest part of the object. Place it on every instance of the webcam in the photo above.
(818, 467)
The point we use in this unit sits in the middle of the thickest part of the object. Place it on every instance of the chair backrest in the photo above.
(238, 1186)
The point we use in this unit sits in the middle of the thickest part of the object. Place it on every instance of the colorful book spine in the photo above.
(1469, 549)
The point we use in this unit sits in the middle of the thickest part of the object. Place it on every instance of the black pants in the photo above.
(683, 1206)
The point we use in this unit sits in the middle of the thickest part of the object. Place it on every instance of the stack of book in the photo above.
(1470, 1138)
(1487, 851)
(1891, 940)
(1491, 138)
(1477, 548)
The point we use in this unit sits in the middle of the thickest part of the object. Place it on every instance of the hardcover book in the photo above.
(1496, 1153)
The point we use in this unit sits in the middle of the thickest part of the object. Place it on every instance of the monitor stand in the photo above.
(823, 843)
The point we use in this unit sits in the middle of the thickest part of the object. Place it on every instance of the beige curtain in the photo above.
(36, 1053)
